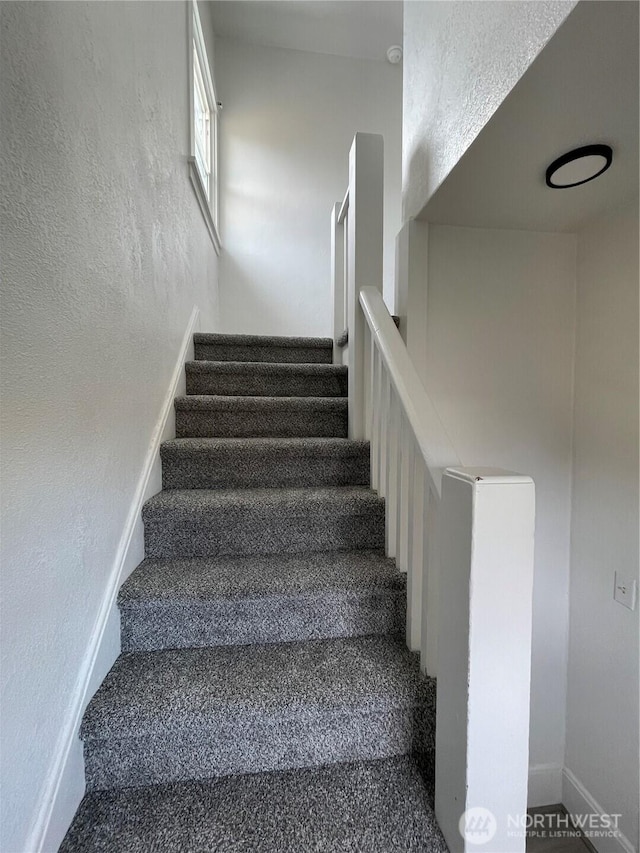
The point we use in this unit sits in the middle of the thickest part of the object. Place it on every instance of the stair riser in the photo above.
(221, 534)
(191, 469)
(247, 744)
(281, 424)
(273, 354)
(256, 385)
(271, 619)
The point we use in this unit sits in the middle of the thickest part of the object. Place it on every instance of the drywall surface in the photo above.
(105, 253)
(500, 180)
(286, 128)
(499, 360)
(364, 28)
(460, 61)
(602, 701)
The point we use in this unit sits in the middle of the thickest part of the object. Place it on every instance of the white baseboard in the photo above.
(545, 785)
(579, 801)
(64, 786)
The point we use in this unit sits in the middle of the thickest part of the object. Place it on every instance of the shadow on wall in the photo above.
(420, 169)
(264, 298)
(245, 292)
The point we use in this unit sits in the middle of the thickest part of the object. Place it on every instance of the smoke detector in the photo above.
(394, 54)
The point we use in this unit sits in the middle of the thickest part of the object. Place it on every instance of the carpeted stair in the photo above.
(197, 463)
(205, 601)
(264, 699)
(241, 416)
(362, 807)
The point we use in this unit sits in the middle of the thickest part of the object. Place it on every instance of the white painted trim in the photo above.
(488, 476)
(209, 207)
(364, 230)
(198, 35)
(337, 282)
(486, 539)
(52, 816)
(205, 207)
(431, 437)
(343, 208)
(579, 801)
(545, 785)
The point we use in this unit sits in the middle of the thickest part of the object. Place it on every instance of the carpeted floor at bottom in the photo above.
(370, 807)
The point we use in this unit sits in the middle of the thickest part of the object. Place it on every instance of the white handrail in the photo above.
(431, 437)
(344, 207)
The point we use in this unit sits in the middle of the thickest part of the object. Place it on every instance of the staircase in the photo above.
(264, 699)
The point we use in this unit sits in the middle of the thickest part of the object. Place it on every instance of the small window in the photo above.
(204, 121)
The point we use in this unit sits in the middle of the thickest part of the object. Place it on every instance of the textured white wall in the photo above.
(602, 702)
(498, 365)
(286, 129)
(105, 253)
(498, 356)
(461, 59)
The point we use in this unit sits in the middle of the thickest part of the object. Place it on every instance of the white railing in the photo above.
(464, 536)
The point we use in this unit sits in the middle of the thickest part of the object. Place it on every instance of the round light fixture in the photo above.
(579, 166)
(394, 54)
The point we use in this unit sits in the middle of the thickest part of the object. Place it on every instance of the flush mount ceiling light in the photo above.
(579, 166)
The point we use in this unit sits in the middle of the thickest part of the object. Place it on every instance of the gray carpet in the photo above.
(269, 380)
(265, 698)
(277, 350)
(212, 522)
(190, 713)
(219, 463)
(277, 417)
(281, 598)
(374, 807)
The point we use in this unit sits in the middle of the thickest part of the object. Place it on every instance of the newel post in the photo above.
(364, 258)
(487, 524)
(337, 280)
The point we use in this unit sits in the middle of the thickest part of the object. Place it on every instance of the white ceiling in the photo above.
(363, 29)
(582, 88)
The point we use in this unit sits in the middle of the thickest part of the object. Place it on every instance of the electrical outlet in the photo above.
(625, 591)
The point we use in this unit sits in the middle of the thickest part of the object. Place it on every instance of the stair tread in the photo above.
(379, 805)
(266, 368)
(189, 689)
(215, 338)
(250, 403)
(201, 579)
(301, 445)
(329, 500)
(211, 375)
(235, 462)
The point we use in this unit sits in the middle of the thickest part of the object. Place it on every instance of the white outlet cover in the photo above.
(625, 591)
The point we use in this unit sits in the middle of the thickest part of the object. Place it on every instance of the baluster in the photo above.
(393, 436)
(430, 586)
(368, 371)
(375, 415)
(384, 430)
(417, 553)
(405, 487)
(347, 286)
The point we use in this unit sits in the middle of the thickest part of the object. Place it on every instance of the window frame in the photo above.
(205, 185)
